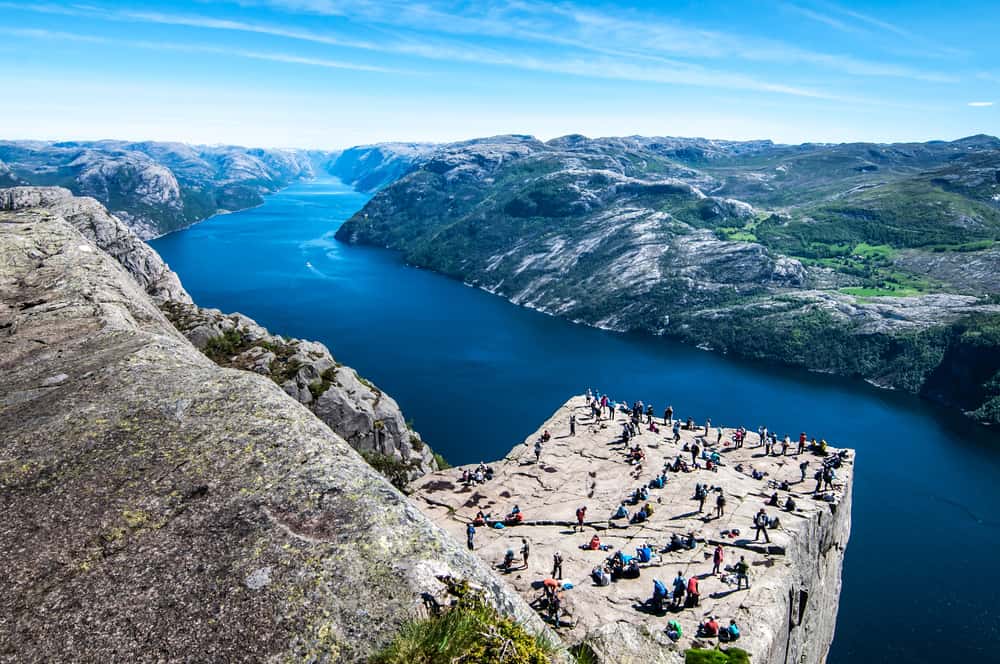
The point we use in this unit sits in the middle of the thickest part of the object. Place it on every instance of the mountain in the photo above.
(870, 260)
(368, 168)
(155, 188)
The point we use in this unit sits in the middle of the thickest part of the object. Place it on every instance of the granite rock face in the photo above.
(367, 418)
(154, 505)
(107, 232)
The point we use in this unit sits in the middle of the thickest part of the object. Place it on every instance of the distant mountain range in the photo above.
(872, 260)
(156, 188)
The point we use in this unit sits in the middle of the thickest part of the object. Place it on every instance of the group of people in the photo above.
(481, 474)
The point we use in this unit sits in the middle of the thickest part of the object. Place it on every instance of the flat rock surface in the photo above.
(589, 469)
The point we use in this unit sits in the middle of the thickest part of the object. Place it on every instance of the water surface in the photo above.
(477, 374)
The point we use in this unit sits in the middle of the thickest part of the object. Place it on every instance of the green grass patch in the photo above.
(442, 463)
(471, 631)
(714, 656)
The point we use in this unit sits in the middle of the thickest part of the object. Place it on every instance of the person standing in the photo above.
(692, 591)
(742, 573)
(572, 425)
(470, 534)
(708, 425)
(694, 453)
(677, 431)
(581, 513)
(717, 557)
(700, 493)
(525, 550)
(803, 467)
(557, 561)
(720, 506)
(760, 523)
(802, 442)
(538, 451)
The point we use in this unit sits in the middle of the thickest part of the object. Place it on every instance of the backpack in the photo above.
(659, 590)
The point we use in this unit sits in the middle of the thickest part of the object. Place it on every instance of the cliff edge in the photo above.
(787, 615)
(154, 505)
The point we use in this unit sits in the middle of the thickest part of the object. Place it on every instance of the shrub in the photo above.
(471, 631)
(395, 470)
(442, 463)
(713, 656)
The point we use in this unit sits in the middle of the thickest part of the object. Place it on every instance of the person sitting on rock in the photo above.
(644, 553)
(659, 596)
(546, 436)
(515, 516)
(730, 633)
(621, 512)
(508, 560)
(480, 519)
(674, 631)
(631, 570)
(601, 576)
(709, 628)
(639, 517)
(773, 502)
(790, 504)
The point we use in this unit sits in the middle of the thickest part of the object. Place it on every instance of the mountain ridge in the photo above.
(880, 253)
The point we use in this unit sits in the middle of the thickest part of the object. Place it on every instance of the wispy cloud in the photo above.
(563, 24)
(979, 104)
(852, 21)
(33, 33)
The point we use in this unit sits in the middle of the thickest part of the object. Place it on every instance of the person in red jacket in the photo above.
(581, 512)
(693, 594)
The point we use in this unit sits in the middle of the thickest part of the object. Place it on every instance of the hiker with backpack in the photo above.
(700, 494)
(680, 588)
(742, 573)
(760, 522)
(720, 505)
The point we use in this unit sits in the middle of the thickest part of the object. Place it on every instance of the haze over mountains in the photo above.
(883, 255)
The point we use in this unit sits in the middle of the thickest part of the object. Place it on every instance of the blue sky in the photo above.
(328, 74)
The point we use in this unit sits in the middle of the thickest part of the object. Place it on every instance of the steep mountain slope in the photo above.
(155, 187)
(368, 168)
(154, 505)
(762, 250)
(354, 408)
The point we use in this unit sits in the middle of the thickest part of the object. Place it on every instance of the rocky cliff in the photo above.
(755, 249)
(358, 411)
(352, 406)
(154, 505)
(788, 614)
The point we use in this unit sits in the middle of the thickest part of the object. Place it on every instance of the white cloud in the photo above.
(980, 103)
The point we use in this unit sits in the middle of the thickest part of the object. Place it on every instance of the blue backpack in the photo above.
(659, 590)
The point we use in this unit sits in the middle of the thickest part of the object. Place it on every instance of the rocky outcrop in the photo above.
(788, 614)
(367, 418)
(156, 505)
(354, 408)
(107, 232)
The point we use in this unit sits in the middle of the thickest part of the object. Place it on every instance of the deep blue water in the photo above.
(477, 374)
